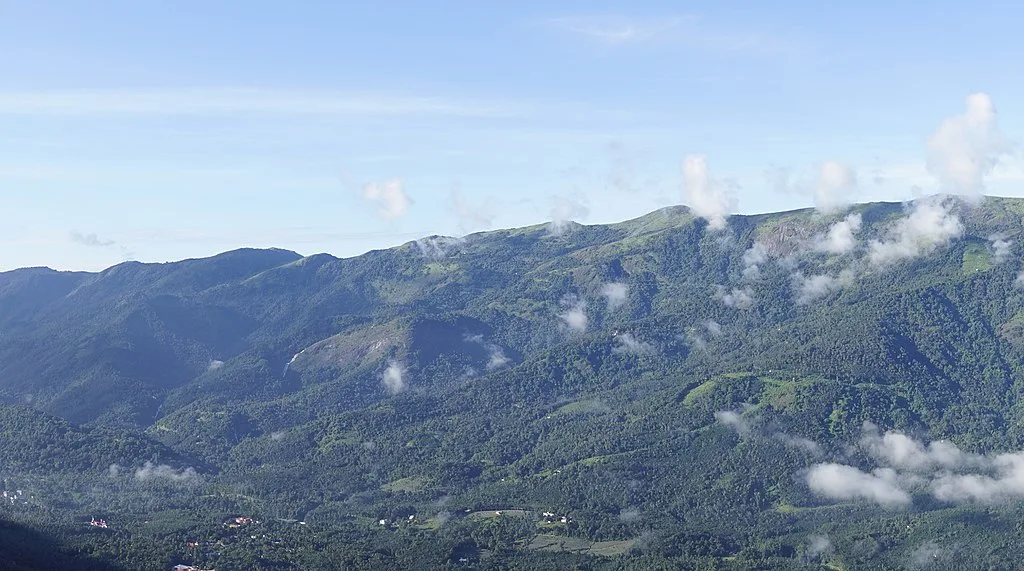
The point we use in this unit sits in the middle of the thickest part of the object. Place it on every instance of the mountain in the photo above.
(796, 390)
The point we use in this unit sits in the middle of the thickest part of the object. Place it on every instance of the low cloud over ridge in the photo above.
(711, 199)
(941, 468)
(930, 224)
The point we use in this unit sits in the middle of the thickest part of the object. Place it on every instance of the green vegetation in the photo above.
(431, 386)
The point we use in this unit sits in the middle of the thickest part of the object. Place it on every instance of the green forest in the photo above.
(795, 391)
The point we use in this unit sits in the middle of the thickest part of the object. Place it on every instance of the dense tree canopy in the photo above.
(641, 395)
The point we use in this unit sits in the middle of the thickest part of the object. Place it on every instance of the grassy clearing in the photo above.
(584, 406)
(410, 484)
(976, 259)
(492, 514)
(439, 268)
(699, 391)
(551, 542)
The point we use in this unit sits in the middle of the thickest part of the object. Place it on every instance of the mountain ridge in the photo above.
(668, 387)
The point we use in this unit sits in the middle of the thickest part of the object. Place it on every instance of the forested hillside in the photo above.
(795, 390)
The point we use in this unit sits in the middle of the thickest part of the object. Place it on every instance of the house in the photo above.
(233, 522)
(98, 522)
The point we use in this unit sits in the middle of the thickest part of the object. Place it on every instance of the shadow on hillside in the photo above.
(25, 549)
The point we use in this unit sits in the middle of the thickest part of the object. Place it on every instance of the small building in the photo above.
(239, 521)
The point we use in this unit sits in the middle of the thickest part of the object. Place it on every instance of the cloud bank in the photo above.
(154, 472)
(394, 378)
(496, 357)
(841, 482)
(90, 239)
(941, 468)
(736, 297)
(708, 198)
(1001, 248)
(931, 224)
(812, 288)
(627, 343)
(564, 212)
(966, 147)
(615, 294)
(389, 197)
(834, 187)
(575, 318)
(841, 237)
(733, 420)
(753, 257)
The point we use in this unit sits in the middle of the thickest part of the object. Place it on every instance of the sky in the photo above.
(155, 131)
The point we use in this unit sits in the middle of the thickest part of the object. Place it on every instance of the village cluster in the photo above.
(15, 496)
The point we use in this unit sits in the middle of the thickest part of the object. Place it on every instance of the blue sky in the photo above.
(164, 130)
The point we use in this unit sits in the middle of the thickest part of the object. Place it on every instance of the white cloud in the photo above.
(394, 378)
(811, 288)
(1009, 171)
(805, 444)
(900, 451)
(90, 239)
(627, 343)
(437, 247)
(1007, 483)
(389, 197)
(1001, 248)
(496, 357)
(214, 364)
(150, 471)
(929, 225)
(967, 147)
(694, 340)
(713, 327)
(615, 293)
(736, 297)
(951, 474)
(575, 318)
(834, 187)
(471, 217)
(842, 236)
(629, 515)
(841, 482)
(733, 420)
(565, 211)
(708, 198)
(925, 555)
(818, 545)
(753, 257)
